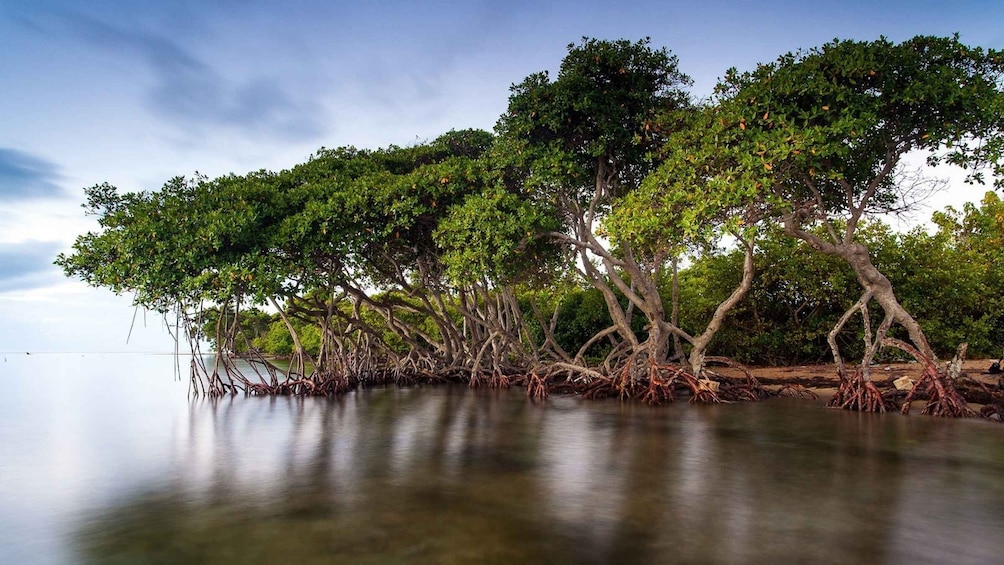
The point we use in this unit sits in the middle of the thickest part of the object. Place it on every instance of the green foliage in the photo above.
(343, 213)
(610, 151)
(819, 123)
(952, 281)
(594, 124)
(278, 342)
(371, 212)
(253, 324)
(495, 234)
(602, 108)
(695, 196)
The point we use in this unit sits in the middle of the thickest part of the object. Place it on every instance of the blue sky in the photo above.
(134, 93)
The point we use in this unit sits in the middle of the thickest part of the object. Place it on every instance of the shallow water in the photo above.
(105, 460)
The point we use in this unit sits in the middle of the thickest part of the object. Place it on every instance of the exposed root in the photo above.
(498, 380)
(600, 387)
(858, 394)
(938, 387)
(477, 380)
(703, 391)
(659, 385)
(943, 398)
(797, 391)
(659, 390)
(976, 391)
(750, 389)
(627, 384)
(624, 385)
(318, 385)
(536, 386)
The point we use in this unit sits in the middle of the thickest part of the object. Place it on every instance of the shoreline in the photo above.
(825, 375)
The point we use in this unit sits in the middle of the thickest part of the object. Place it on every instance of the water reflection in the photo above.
(449, 475)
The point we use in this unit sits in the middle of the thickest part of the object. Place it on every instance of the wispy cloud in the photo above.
(24, 176)
(191, 93)
(28, 265)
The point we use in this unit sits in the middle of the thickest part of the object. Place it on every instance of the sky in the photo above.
(134, 93)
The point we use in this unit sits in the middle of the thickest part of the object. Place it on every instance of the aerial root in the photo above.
(317, 385)
(662, 383)
(496, 379)
(624, 385)
(627, 383)
(477, 380)
(703, 391)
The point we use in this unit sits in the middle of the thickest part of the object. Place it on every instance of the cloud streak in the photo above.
(27, 265)
(24, 176)
(190, 92)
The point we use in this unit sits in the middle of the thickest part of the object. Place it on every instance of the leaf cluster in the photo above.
(829, 124)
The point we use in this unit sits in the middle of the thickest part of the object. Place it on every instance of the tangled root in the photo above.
(601, 387)
(797, 391)
(746, 389)
(659, 390)
(943, 398)
(938, 387)
(858, 394)
(536, 386)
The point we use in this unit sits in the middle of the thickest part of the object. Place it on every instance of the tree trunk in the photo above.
(859, 392)
(674, 317)
(880, 288)
(700, 343)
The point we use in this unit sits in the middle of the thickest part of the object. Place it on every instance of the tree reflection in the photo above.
(451, 475)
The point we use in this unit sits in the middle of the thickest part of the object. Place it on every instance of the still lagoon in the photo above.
(104, 459)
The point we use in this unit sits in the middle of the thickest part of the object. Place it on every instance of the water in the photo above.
(105, 460)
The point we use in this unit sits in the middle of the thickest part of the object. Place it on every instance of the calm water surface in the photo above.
(104, 459)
